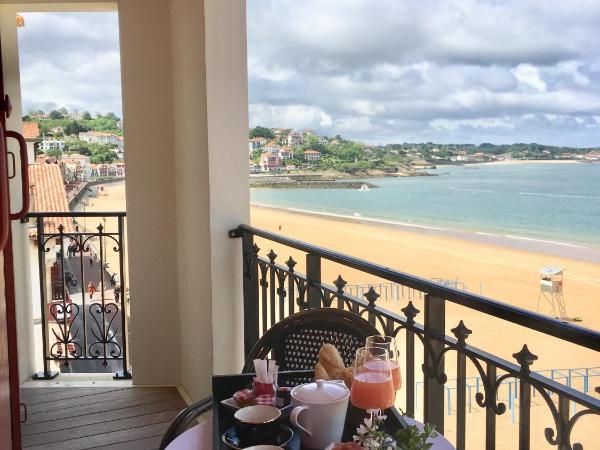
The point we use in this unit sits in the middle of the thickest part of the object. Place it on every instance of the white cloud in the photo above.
(530, 75)
(441, 70)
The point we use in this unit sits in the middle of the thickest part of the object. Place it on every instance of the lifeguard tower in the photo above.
(551, 290)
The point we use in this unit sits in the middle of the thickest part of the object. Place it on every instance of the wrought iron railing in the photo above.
(274, 290)
(82, 291)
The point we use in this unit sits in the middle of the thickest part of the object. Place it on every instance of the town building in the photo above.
(312, 155)
(31, 133)
(270, 162)
(272, 148)
(102, 138)
(294, 138)
(256, 143)
(286, 153)
(52, 144)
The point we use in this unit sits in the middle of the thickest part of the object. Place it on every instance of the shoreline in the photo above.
(508, 240)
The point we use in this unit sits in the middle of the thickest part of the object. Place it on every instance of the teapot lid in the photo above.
(321, 391)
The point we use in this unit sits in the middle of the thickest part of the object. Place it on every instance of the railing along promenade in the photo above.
(83, 291)
(273, 290)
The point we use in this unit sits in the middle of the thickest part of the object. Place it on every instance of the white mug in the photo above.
(320, 412)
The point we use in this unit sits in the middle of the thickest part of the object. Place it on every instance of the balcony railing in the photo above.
(83, 294)
(274, 290)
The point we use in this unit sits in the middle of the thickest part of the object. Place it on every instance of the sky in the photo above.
(446, 71)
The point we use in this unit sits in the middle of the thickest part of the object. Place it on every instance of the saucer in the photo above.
(285, 436)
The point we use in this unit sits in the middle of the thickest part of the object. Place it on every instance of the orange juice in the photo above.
(372, 390)
(378, 365)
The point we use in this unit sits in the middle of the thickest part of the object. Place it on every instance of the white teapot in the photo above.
(320, 412)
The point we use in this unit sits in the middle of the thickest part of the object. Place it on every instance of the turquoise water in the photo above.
(559, 202)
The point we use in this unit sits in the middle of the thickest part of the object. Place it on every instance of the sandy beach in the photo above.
(505, 273)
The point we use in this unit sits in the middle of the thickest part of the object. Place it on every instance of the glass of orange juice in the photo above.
(372, 386)
(389, 344)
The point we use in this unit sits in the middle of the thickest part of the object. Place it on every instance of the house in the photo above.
(270, 162)
(256, 143)
(102, 138)
(57, 130)
(79, 165)
(593, 155)
(52, 144)
(312, 155)
(31, 133)
(272, 148)
(47, 193)
(76, 115)
(254, 168)
(286, 153)
(120, 169)
(294, 138)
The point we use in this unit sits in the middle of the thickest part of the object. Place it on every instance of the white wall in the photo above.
(208, 107)
(227, 102)
(152, 223)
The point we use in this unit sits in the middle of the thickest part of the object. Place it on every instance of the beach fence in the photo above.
(508, 391)
(393, 292)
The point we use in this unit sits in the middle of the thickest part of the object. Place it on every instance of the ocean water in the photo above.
(555, 202)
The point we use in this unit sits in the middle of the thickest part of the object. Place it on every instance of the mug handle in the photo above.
(294, 418)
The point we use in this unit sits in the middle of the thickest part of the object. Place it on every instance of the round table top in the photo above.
(200, 437)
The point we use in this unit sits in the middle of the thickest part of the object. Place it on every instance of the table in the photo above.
(207, 434)
(200, 437)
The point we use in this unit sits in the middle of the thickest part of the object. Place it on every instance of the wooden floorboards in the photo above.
(118, 418)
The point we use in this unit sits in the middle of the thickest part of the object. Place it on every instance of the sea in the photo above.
(552, 205)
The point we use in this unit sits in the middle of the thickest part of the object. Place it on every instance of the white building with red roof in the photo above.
(31, 133)
(312, 155)
(48, 194)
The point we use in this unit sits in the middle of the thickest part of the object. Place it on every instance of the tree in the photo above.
(86, 115)
(54, 114)
(74, 127)
(64, 112)
(259, 131)
(54, 153)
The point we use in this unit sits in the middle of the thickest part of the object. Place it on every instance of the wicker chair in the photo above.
(295, 341)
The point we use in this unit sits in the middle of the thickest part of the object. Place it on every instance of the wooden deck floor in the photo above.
(119, 418)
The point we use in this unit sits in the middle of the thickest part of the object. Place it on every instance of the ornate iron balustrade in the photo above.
(83, 292)
(273, 290)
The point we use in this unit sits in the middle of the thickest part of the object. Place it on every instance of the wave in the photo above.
(353, 217)
(548, 194)
(419, 226)
(544, 241)
(485, 191)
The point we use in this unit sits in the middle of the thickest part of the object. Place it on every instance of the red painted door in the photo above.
(10, 432)
(5, 403)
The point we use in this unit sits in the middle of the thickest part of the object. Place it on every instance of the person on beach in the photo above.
(91, 261)
(117, 293)
(91, 290)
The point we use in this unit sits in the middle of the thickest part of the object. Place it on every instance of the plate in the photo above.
(284, 438)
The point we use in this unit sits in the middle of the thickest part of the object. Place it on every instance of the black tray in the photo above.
(224, 386)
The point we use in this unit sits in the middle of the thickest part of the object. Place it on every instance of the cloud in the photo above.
(443, 70)
(384, 71)
(70, 60)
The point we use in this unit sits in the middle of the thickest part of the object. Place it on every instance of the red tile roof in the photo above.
(31, 130)
(48, 195)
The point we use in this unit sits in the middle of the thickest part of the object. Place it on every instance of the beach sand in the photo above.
(506, 274)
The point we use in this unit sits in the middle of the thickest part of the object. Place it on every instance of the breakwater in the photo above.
(287, 184)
